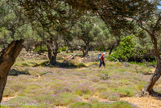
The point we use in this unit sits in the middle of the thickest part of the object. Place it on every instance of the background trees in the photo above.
(56, 23)
(86, 30)
(118, 14)
(55, 18)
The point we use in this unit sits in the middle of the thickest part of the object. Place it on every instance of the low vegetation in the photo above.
(36, 85)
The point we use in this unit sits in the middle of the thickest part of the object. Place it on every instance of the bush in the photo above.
(103, 76)
(120, 104)
(100, 105)
(110, 96)
(129, 50)
(125, 51)
(40, 49)
(58, 100)
(19, 101)
(80, 105)
(100, 48)
(62, 49)
(125, 91)
(81, 65)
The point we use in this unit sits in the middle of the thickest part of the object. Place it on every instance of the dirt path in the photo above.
(144, 102)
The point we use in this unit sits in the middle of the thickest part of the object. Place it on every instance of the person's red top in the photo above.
(102, 57)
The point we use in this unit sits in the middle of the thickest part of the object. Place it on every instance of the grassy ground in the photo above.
(34, 84)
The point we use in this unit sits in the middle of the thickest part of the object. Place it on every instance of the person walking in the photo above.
(102, 60)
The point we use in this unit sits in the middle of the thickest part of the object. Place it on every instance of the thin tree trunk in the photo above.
(71, 49)
(49, 52)
(149, 86)
(111, 49)
(87, 49)
(7, 59)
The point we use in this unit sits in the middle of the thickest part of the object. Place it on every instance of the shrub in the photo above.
(17, 87)
(103, 76)
(100, 88)
(81, 65)
(83, 90)
(93, 100)
(58, 100)
(110, 96)
(62, 49)
(80, 105)
(125, 91)
(100, 105)
(114, 97)
(140, 86)
(104, 95)
(130, 50)
(19, 101)
(66, 99)
(121, 104)
(125, 51)
(100, 48)
(40, 49)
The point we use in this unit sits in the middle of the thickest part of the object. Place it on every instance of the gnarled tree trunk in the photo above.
(149, 86)
(111, 49)
(7, 59)
(52, 52)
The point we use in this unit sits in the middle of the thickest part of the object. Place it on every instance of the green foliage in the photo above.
(80, 105)
(125, 91)
(65, 99)
(110, 96)
(125, 51)
(119, 104)
(61, 99)
(41, 49)
(131, 49)
(82, 92)
(62, 49)
(103, 75)
(81, 65)
(100, 48)
(140, 86)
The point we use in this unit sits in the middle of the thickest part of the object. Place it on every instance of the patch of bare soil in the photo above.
(153, 70)
(7, 98)
(144, 102)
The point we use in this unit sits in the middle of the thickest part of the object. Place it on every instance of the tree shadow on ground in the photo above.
(14, 72)
(147, 73)
(157, 95)
(61, 65)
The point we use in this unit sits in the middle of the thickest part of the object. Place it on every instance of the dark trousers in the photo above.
(102, 62)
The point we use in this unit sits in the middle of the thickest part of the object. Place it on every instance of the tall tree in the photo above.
(86, 30)
(149, 20)
(10, 20)
(53, 17)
